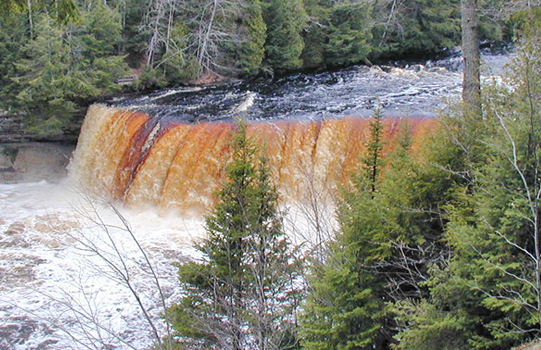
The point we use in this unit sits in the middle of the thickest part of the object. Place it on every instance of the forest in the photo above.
(58, 57)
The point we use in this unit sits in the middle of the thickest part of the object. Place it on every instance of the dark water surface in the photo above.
(400, 89)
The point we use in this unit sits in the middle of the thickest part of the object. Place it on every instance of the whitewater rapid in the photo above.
(401, 89)
(56, 293)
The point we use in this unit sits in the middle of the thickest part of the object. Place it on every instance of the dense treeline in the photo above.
(438, 246)
(58, 56)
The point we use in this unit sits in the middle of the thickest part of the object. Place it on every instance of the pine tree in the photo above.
(242, 293)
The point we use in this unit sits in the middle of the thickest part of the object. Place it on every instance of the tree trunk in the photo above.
(30, 18)
(471, 88)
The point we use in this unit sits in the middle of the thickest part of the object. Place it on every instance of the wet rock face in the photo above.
(12, 130)
(29, 162)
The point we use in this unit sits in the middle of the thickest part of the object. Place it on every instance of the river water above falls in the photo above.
(58, 292)
(401, 89)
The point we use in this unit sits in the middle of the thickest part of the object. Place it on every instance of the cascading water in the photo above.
(161, 161)
(58, 289)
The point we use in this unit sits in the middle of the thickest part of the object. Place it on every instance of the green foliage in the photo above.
(150, 79)
(431, 328)
(418, 27)
(489, 294)
(339, 33)
(134, 37)
(253, 29)
(346, 306)
(63, 11)
(285, 21)
(392, 224)
(348, 33)
(12, 37)
(10, 152)
(62, 67)
(373, 159)
(241, 294)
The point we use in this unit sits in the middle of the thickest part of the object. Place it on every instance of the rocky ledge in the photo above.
(12, 130)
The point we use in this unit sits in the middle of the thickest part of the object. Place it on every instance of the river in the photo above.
(401, 89)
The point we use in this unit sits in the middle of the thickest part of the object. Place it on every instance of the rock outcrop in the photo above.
(12, 130)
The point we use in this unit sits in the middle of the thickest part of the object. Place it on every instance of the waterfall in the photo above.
(136, 158)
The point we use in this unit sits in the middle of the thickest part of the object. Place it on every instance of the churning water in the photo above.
(67, 266)
(416, 90)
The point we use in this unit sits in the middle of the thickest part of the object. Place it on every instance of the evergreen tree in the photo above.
(392, 226)
(62, 67)
(61, 10)
(285, 21)
(345, 309)
(43, 75)
(349, 33)
(242, 293)
(253, 32)
(488, 297)
(339, 32)
(418, 27)
(13, 36)
(315, 34)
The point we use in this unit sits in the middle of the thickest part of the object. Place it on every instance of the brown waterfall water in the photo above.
(139, 159)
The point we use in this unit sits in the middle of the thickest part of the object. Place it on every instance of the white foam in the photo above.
(56, 291)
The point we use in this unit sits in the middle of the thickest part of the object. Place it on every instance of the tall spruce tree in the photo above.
(242, 293)
(285, 21)
(392, 227)
(345, 309)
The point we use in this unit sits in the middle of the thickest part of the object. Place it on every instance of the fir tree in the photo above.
(285, 21)
(242, 293)
(253, 32)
